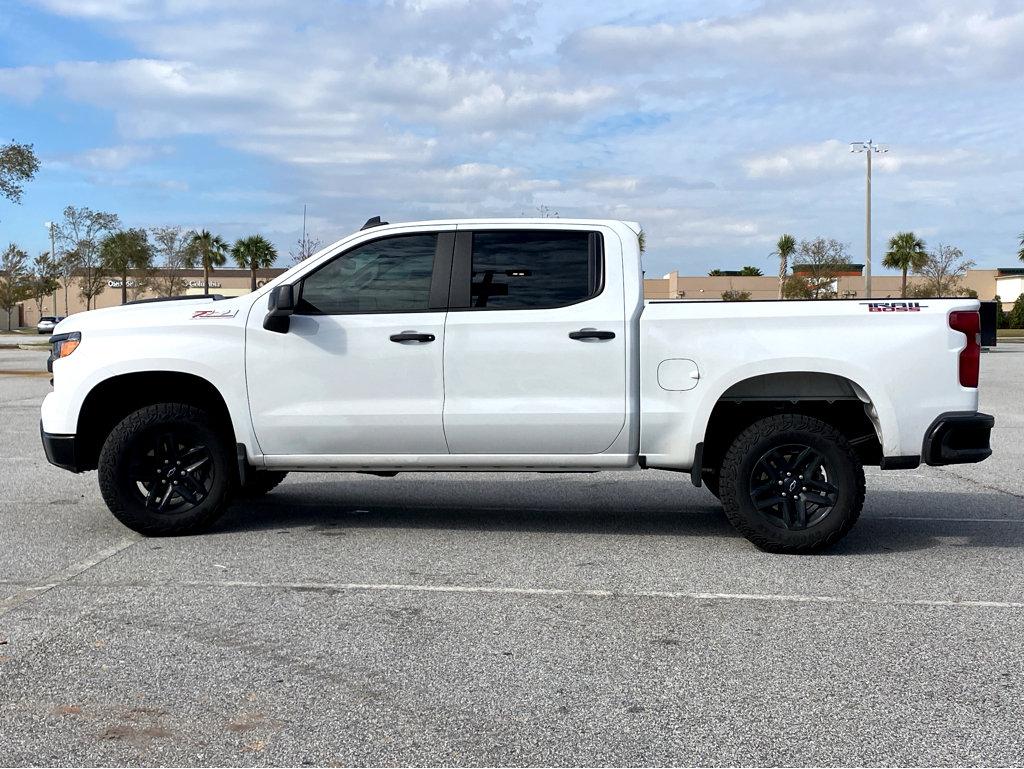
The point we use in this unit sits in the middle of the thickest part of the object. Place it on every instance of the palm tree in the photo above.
(906, 253)
(784, 249)
(1020, 253)
(206, 249)
(124, 251)
(253, 253)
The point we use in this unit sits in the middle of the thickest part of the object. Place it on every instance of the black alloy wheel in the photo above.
(790, 487)
(173, 469)
(791, 483)
(167, 469)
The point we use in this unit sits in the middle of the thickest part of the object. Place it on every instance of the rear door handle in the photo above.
(591, 333)
(412, 336)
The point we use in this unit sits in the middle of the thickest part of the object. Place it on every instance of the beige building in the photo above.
(1007, 283)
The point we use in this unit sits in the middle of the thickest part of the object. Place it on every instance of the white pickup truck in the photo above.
(510, 345)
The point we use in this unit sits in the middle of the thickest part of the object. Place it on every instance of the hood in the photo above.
(164, 313)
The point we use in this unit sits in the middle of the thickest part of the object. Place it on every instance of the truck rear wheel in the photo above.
(165, 470)
(792, 484)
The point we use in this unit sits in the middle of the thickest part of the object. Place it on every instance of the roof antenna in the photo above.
(374, 222)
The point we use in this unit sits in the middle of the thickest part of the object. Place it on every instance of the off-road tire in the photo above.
(260, 482)
(779, 433)
(126, 455)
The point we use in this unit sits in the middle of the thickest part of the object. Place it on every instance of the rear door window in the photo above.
(523, 269)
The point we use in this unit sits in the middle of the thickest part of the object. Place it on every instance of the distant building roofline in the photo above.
(850, 268)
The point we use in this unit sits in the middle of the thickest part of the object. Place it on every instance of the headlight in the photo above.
(62, 346)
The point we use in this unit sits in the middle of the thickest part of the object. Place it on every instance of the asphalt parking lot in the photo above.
(529, 619)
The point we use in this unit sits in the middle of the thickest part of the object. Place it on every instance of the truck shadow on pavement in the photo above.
(892, 521)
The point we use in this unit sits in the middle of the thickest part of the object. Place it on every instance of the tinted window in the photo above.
(387, 275)
(522, 270)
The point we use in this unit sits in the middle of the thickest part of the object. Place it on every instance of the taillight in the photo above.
(969, 324)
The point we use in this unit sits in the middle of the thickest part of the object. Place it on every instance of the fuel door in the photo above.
(676, 374)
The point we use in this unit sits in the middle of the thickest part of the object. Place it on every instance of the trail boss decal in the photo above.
(894, 306)
(205, 314)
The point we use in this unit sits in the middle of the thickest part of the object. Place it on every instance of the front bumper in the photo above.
(60, 450)
(959, 437)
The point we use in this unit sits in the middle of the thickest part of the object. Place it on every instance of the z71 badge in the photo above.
(205, 314)
(894, 306)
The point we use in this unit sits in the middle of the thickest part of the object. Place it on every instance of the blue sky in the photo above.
(718, 125)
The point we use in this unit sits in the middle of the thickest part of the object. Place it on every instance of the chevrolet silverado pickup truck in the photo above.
(510, 345)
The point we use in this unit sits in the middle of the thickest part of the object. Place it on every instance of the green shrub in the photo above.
(1016, 319)
(734, 295)
(1001, 318)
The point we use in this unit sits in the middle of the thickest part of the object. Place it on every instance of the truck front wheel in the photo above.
(792, 484)
(166, 470)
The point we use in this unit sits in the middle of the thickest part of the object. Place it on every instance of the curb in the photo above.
(23, 346)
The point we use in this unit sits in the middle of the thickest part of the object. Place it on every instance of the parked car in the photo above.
(47, 323)
(511, 345)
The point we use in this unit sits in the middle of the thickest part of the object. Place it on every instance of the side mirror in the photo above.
(280, 306)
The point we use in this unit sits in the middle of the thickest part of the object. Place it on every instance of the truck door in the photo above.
(534, 355)
(359, 370)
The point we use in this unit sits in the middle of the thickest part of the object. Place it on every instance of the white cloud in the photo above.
(818, 161)
(114, 158)
(136, 10)
(803, 159)
(897, 42)
(23, 84)
(693, 126)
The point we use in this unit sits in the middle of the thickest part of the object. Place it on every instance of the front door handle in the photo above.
(591, 333)
(412, 336)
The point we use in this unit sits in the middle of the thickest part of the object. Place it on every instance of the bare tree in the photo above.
(80, 234)
(44, 280)
(140, 284)
(543, 212)
(65, 263)
(14, 279)
(942, 271)
(169, 244)
(91, 283)
(306, 246)
(817, 266)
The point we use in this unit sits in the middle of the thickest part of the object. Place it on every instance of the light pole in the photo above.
(53, 258)
(868, 148)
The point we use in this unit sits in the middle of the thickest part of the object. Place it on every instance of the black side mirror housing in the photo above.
(280, 306)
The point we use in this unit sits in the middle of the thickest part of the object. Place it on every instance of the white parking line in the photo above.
(339, 587)
(60, 577)
(930, 519)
